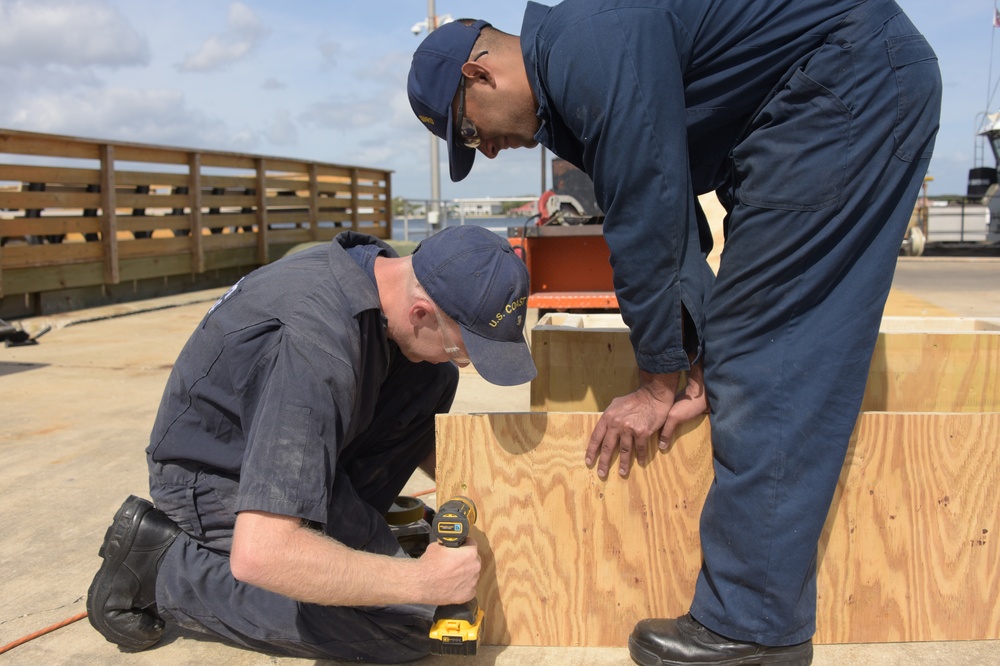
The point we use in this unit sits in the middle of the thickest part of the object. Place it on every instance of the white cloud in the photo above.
(243, 32)
(244, 140)
(145, 116)
(335, 114)
(69, 33)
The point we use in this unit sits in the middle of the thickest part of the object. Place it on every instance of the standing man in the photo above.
(813, 121)
(292, 419)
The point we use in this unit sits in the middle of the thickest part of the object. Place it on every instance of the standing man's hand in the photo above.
(630, 420)
(690, 403)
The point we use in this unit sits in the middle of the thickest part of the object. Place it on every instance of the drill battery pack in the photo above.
(456, 633)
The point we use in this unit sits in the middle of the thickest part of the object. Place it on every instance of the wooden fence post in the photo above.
(313, 204)
(354, 199)
(388, 205)
(262, 239)
(194, 191)
(109, 217)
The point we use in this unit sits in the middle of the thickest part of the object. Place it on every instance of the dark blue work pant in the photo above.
(822, 189)
(195, 588)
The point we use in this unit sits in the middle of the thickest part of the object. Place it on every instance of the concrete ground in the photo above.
(76, 412)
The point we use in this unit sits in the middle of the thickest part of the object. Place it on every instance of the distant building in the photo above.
(525, 210)
(480, 208)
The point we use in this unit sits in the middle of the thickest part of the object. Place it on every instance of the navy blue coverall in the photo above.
(813, 121)
(290, 399)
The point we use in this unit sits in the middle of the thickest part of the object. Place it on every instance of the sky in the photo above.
(325, 80)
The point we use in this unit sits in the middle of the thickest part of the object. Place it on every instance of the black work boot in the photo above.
(121, 602)
(687, 641)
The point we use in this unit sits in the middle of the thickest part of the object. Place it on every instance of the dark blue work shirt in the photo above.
(281, 375)
(649, 98)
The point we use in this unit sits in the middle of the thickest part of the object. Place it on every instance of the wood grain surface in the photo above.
(909, 552)
(918, 365)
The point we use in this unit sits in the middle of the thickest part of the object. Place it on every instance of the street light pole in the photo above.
(543, 169)
(434, 213)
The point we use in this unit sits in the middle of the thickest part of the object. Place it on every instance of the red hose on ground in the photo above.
(42, 632)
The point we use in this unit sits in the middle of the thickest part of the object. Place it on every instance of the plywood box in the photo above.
(921, 364)
(909, 551)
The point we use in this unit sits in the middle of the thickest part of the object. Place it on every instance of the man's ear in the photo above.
(476, 70)
(419, 311)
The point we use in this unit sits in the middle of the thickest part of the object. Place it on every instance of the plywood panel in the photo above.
(584, 362)
(920, 364)
(909, 552)
(935, 372)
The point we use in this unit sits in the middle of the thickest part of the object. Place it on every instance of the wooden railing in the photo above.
(80, 212)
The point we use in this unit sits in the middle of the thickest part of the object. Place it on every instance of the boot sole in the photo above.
(117, 543)
(793, 656)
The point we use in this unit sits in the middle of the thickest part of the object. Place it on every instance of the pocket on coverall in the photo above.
(795, 156)
(915, 66)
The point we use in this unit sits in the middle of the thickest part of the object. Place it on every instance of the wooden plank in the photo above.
(210, 181)
(43, 200)
(42, 174)
(286, 216)
(165, 202)
(293, 236)
(935, 372)
(155, 178)
(51, 278)
(333, 189)
(334, 173)
(216, 242)
(585, 361)
(299, 184)
(48, 225)
(154, 247)
(952, 324)
(909, 551)
(371, 191)
(132, 152)
(228, 160)
(285, 164)
(31, 143)
(150, 222)
(37, 256)
(230, 201)
(231, 258)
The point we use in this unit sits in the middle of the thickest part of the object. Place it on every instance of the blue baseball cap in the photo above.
(435, 75)
(473, 275)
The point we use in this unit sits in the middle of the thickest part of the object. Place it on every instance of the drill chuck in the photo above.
(453, 520)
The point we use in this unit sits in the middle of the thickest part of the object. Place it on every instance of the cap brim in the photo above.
(460, 158)
(500, 362)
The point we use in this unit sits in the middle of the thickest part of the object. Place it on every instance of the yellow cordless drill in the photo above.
(456, 626)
